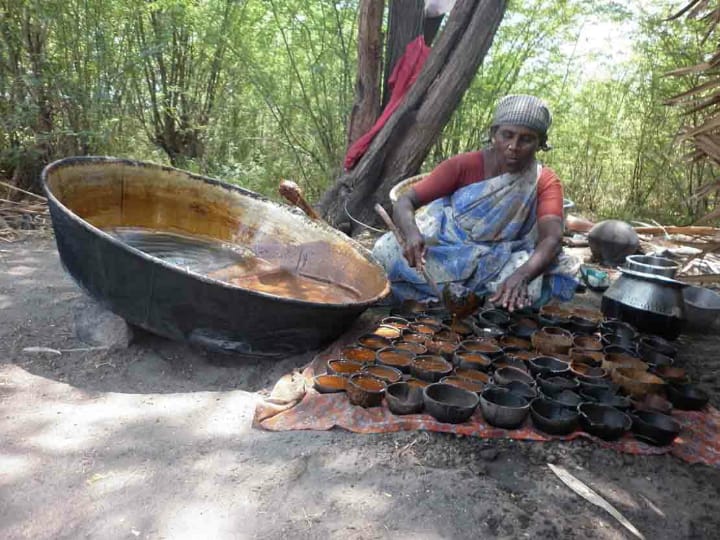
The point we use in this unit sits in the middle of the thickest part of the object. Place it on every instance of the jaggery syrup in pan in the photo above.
(235, 264)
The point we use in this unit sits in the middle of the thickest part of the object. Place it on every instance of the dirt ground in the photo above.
(154, 441)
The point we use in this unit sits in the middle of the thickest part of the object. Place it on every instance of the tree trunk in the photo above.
(399, 149)
(366, 108)
(405, 23)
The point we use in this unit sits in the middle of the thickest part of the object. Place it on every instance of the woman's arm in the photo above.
(442, 181)
(404, 217)
(512, 293)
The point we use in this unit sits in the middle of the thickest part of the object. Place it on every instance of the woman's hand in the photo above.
(512, 293)
(414, 250)
(413, 241)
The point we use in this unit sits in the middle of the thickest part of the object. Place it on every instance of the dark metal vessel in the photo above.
(611, 241)
(651, 303)
(88, 196)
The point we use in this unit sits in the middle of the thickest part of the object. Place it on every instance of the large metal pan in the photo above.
(88, 196)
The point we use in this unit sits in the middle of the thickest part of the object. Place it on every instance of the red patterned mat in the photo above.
(296, 405)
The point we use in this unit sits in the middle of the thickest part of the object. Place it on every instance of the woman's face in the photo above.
(515, 146)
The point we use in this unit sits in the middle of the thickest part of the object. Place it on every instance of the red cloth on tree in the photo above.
(404, 74)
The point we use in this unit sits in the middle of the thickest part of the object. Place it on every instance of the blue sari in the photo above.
(477, 237)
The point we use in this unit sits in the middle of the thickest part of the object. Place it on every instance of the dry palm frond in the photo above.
(704, 104)
(702, 100)
(684, 10)
(702, 67)
(680, 98)
(711, 124)
(710, 145)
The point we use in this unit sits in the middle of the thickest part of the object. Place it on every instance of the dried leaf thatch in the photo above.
(20, 217)
(703, 100)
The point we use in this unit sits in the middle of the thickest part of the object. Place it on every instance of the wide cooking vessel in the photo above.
(651, 303)
(702, 306)
(89, 195)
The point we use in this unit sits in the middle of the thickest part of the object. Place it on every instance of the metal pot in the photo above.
(651, 264)
(703, 307)
(651, 303)
(612, 240)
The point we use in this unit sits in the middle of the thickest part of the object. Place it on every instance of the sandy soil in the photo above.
(154, 441)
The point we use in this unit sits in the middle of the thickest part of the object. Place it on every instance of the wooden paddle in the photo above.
(458, 300)
(292, 193)
(399, 237)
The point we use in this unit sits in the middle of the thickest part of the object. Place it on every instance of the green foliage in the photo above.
(617, 137)
(613, 137)
(252, 91)
(297, 75)
(61, 92)
(525, 58)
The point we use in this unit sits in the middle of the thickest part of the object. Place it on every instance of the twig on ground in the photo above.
(101, 364)
(15, 188)
(59, 352)
(41, 350)
(589, 495)
(405, 448)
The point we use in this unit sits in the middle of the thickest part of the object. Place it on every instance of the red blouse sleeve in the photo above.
(550, 194)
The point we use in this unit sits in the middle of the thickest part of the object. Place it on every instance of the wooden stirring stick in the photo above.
(398, 236)
(292, 193)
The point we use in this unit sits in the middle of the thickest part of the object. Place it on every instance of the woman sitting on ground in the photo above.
(490, 220)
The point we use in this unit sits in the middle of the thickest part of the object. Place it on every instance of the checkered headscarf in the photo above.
(523, 110)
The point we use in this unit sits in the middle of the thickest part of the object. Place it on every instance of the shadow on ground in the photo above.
(154, 441)
(188, 466)
(39, 304)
